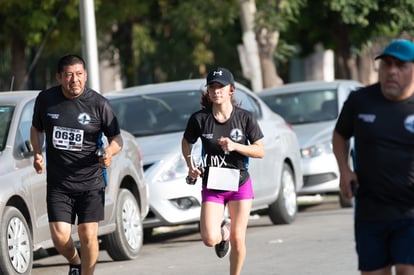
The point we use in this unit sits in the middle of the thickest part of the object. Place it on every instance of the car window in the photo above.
(305, 107)
(247, 102)
(6, 113)
(154, 114)
(26, 121)
(22, 138)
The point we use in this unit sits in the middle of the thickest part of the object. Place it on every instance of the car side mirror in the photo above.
(26, 149)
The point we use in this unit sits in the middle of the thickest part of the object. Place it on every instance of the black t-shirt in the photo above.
(74, 129)
(241, 127)
(384, 146)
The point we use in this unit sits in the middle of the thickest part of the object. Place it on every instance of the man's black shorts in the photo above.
(88, 206)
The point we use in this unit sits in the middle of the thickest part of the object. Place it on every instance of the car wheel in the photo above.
(345, 202)
(126, 241)
(16, 245)
(285, 208)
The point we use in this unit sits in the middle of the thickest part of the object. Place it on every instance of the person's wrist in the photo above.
(38, 156)
(108, 151)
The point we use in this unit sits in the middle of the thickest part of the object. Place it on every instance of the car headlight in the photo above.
(317, 150)
(172, 169)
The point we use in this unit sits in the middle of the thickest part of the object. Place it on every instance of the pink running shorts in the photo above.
(245, 192)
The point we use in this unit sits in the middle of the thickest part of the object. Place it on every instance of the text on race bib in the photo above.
(67, 138)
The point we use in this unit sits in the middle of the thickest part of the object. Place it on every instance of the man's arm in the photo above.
(37, 139)
(115, 144)
(341, 150)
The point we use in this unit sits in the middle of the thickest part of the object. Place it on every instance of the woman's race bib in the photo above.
(225, 179)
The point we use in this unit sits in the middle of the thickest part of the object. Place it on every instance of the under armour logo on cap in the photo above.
(220, 75)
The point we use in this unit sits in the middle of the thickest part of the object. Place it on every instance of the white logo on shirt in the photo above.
(53, 116)
(84, 118)
(409, 123)
(367, 117)
(208, 136)
(236, 134)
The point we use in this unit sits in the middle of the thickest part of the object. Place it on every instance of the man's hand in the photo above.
(39, 164)
(105, 157)
(348, 185)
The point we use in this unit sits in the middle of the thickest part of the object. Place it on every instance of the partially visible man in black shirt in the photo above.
(381, 119)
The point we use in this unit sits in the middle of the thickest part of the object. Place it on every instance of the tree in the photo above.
(249, 50)
(169, 40)
(123, 34)
(273, 17)
(349, 26)
(26, 26)
(164, 40)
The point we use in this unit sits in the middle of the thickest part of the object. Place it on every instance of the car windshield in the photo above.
(154, 114)
(305, 107)
(6, 113)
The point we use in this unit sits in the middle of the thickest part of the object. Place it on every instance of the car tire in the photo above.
(285, 208)
(16, 244)
(126, 241)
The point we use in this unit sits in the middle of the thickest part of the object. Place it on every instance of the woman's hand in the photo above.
(194, 172)
(227, 145)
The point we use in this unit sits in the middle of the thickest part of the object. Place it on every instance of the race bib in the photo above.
(67, 138)
(223, 179)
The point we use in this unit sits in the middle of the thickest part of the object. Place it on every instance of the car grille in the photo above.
(316, 179)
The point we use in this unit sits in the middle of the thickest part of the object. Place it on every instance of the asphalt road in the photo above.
(319, 242)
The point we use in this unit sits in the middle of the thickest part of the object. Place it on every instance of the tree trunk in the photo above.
(267, 41)
(248, 52)
(368, 73)
(345, 65)
(123, 41)
(18, 64)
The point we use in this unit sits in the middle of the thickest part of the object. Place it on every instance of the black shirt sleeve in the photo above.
(192, 131)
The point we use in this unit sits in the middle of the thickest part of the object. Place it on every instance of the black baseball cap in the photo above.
(220, 75)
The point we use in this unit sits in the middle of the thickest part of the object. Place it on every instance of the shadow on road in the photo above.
(188, 233)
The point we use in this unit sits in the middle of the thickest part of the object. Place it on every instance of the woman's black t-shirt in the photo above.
(241, 127)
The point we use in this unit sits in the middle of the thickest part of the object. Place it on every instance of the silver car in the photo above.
(157, 115)
(312, 108)
(23, 218)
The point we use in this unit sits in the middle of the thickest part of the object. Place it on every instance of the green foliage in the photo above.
(277, 14)
(176, 39)
(35, 18)
(354, 12)
(31, 21)
(355, 22)
(195, 26)
(161, 40)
